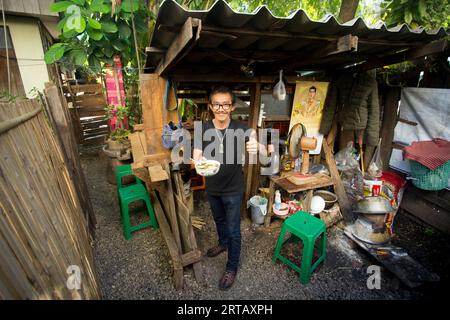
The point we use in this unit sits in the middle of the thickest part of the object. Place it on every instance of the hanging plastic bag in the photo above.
(376, 164)
(279, 90)
(345, 158)
(171, 133)
(350, 174)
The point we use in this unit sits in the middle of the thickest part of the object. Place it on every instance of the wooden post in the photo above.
(390, 116)
(152, 97)
(170, 241)
(269, 213)
(167, 196)
(77, 129)
(250, 172)
(331, 137)
(188, 237)
(337, 182)
(181, 44)
(60, 118)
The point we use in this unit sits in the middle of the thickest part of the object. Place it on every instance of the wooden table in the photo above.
(320, 182)
(284, 182)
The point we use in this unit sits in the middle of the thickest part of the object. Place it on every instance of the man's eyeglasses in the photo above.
(225, 106)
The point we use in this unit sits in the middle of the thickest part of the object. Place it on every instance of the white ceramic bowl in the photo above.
(283, 211)
(317, 205)
(207, 168)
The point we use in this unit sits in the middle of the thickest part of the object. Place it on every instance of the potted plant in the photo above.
(117, 143)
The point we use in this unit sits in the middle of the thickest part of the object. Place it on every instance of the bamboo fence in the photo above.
(43, 231)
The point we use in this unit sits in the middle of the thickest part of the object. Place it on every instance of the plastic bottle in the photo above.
(277, 200)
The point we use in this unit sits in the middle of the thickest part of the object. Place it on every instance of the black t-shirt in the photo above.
(230, 178)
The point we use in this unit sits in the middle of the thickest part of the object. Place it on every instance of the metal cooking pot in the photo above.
(329, 197)
(374, 205)
(366, 231)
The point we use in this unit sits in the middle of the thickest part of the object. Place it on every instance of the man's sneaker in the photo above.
(227, 280)
(214, 251)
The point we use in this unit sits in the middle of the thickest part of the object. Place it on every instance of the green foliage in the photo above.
(91, 33)
(60, 6)
(6, 96)
(55, 53)
(315, 9)
(187, 108)
(430, 14)
(119, 135)
(121, 112)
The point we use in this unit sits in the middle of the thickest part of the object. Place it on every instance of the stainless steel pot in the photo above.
(368, 232)
(329, 197)
(374, 205)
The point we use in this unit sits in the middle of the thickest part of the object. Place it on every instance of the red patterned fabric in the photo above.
(112, 92)
(432, 154)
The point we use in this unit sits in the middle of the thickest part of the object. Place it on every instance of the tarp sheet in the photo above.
(430, 109)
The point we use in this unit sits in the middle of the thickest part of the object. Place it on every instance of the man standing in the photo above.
(225, 189)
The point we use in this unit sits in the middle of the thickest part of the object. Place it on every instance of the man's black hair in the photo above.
(222, 89)
(315, 90)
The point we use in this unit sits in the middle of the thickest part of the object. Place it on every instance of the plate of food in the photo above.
(207, 168)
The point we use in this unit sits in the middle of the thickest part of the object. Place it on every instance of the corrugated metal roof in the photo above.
(216, 50)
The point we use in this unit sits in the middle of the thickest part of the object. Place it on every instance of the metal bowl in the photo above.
(329, 197)
(374, 205)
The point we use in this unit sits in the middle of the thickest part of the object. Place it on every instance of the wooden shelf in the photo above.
(316, 181)
(277, 118)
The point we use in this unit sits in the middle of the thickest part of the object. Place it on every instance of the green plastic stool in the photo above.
(124, 167)
(128, 195)
(307, 228)
(124, 171)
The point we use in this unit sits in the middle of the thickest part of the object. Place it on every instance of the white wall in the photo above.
(27, 44)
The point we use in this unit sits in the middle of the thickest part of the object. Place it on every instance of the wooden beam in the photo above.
(94, 124)
(191, 257)
(290, 36)
(157, 173)
(188, 237)
(166, 192)
(152, 159)
(435, 47)
(153, 50)
(390, 114)
(140, 171)
(86, 88)
(271, 199)
(231, 78)
(170, 242)
(251, 170)
(62, 124)
(347, 43)
(181, 45)
(152, 97)
(137, 148)
(344, 44)
(344, 203)
(218, 35)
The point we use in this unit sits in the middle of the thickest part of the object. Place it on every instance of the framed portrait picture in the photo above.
(307, 108)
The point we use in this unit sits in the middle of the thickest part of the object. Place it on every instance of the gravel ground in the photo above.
(141, 269)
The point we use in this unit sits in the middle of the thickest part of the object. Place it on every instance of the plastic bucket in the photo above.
(259, 208)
